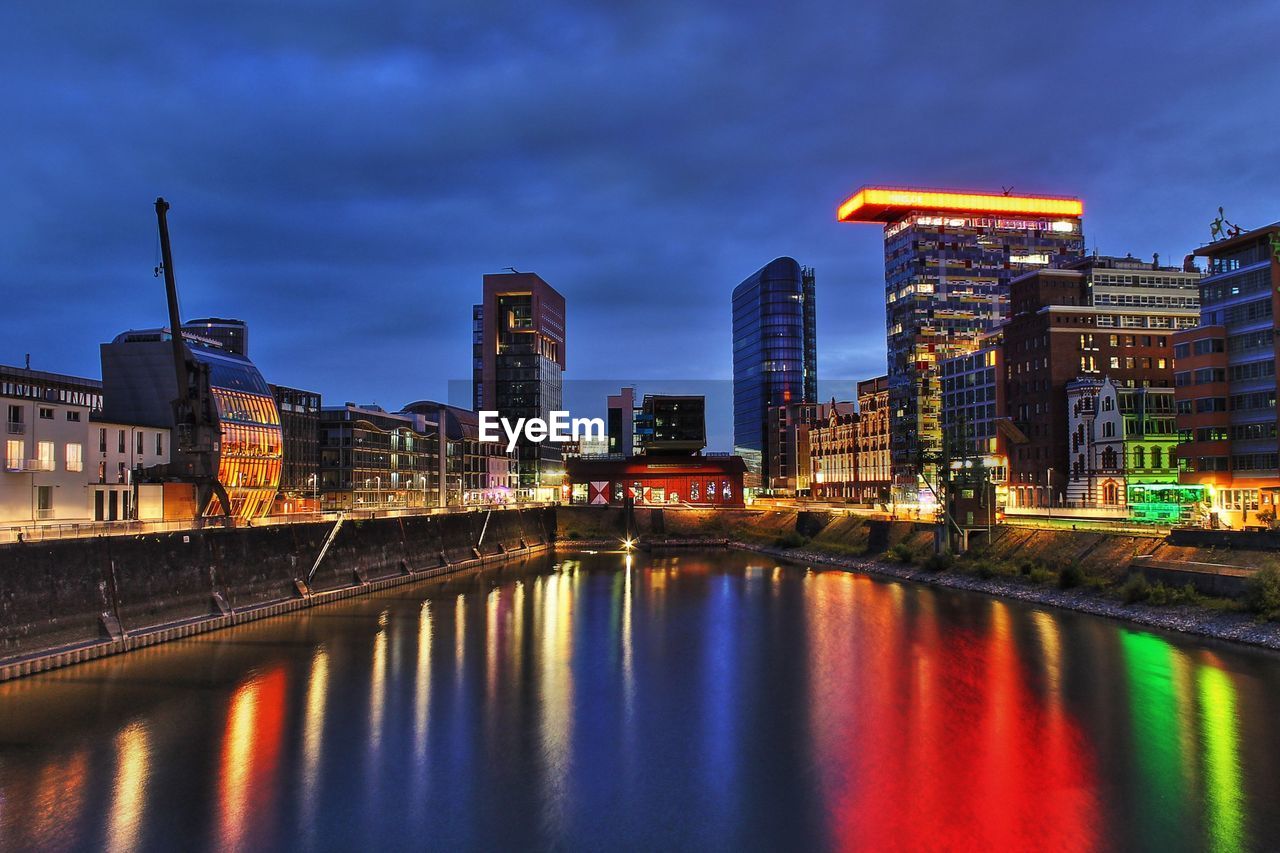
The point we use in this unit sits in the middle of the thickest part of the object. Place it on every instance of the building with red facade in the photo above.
(700, 481)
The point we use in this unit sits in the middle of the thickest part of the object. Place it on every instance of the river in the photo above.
(702, 700)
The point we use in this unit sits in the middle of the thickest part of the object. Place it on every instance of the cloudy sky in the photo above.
(343, 174)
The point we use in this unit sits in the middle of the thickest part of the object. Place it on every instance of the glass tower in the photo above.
(775, 351)
(948, 261)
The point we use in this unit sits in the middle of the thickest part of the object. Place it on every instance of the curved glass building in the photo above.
(139, 388)
(775, 351)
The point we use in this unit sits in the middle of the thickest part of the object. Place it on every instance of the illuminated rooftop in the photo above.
(889, 204)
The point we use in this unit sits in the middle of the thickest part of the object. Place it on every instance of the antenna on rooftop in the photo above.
(1007, 190)
(513, 269)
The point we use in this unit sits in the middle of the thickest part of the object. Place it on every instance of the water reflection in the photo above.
(130, 789)
(702, 700)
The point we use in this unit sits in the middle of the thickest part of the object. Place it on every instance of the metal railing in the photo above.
(16, 428)
(35, 532)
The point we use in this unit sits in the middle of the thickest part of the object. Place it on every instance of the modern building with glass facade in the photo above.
(949, 258)
(139, 388)
(775, 353)
(518, 352)
(1225, 381)
(372, 460)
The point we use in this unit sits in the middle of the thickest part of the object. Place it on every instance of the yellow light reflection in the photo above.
(129, 794)
(313, 734)
(1224, 797)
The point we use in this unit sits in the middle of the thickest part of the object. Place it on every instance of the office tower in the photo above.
(1225, 381)
(300, 466)
(949, 258)
(518, 364)
(775, 353)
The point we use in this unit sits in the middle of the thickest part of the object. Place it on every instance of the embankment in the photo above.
(1080, 570)
(79, 594)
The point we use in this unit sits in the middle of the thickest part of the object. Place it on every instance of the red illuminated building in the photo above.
(701, 481)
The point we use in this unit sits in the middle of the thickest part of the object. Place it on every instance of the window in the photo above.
(102, 440)
(45, 452)
(102, 473)
(159, 444)
(75, 456)
(121, 442)
(44, 501)
(13, 453)
(73, 416)
(139, 442)
(46, 414)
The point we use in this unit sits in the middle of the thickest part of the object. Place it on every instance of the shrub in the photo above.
(1135, 589)
(1262, 592)
(790, 540)
(901, 553)
(1039, 574)
(1070, 576)
(1026, 567)
(1159, 594)
(938, 562)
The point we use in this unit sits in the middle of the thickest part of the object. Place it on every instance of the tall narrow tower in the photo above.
(948, 261)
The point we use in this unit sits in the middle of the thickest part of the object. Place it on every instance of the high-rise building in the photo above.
(949, 258)
(775, 353)
(1225, 381)
(518, 364)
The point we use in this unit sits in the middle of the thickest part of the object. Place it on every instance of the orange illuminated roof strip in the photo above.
(873, 197)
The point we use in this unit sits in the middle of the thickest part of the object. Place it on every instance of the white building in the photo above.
(115, 453)
(46, 422)
(1120, 438)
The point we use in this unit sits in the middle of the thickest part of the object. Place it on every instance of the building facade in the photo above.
(974, 421)
(1226, 381)
(373, 460)
(231, 336)
(775, 355)
(699, 481)
(471, 472)
(1056, 336)
(300, 461)
(518, 365)
(117, 455)
(45, 457)
(620, 422)
(833, 454)
(949, 261)
(139, 388)
(874, 461)
(1123, 452)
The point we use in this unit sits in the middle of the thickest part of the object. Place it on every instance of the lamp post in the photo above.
(1048, 483)
(314, 480)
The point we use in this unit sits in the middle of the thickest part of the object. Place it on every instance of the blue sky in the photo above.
(343, 174)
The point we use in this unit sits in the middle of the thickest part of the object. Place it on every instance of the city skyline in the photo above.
(348, 225)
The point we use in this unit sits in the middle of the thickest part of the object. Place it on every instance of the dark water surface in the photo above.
(709, 700)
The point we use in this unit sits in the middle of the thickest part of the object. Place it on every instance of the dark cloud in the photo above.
(342, 174)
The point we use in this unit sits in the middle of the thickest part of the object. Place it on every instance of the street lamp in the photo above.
(1048, 482)
(314, 480)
